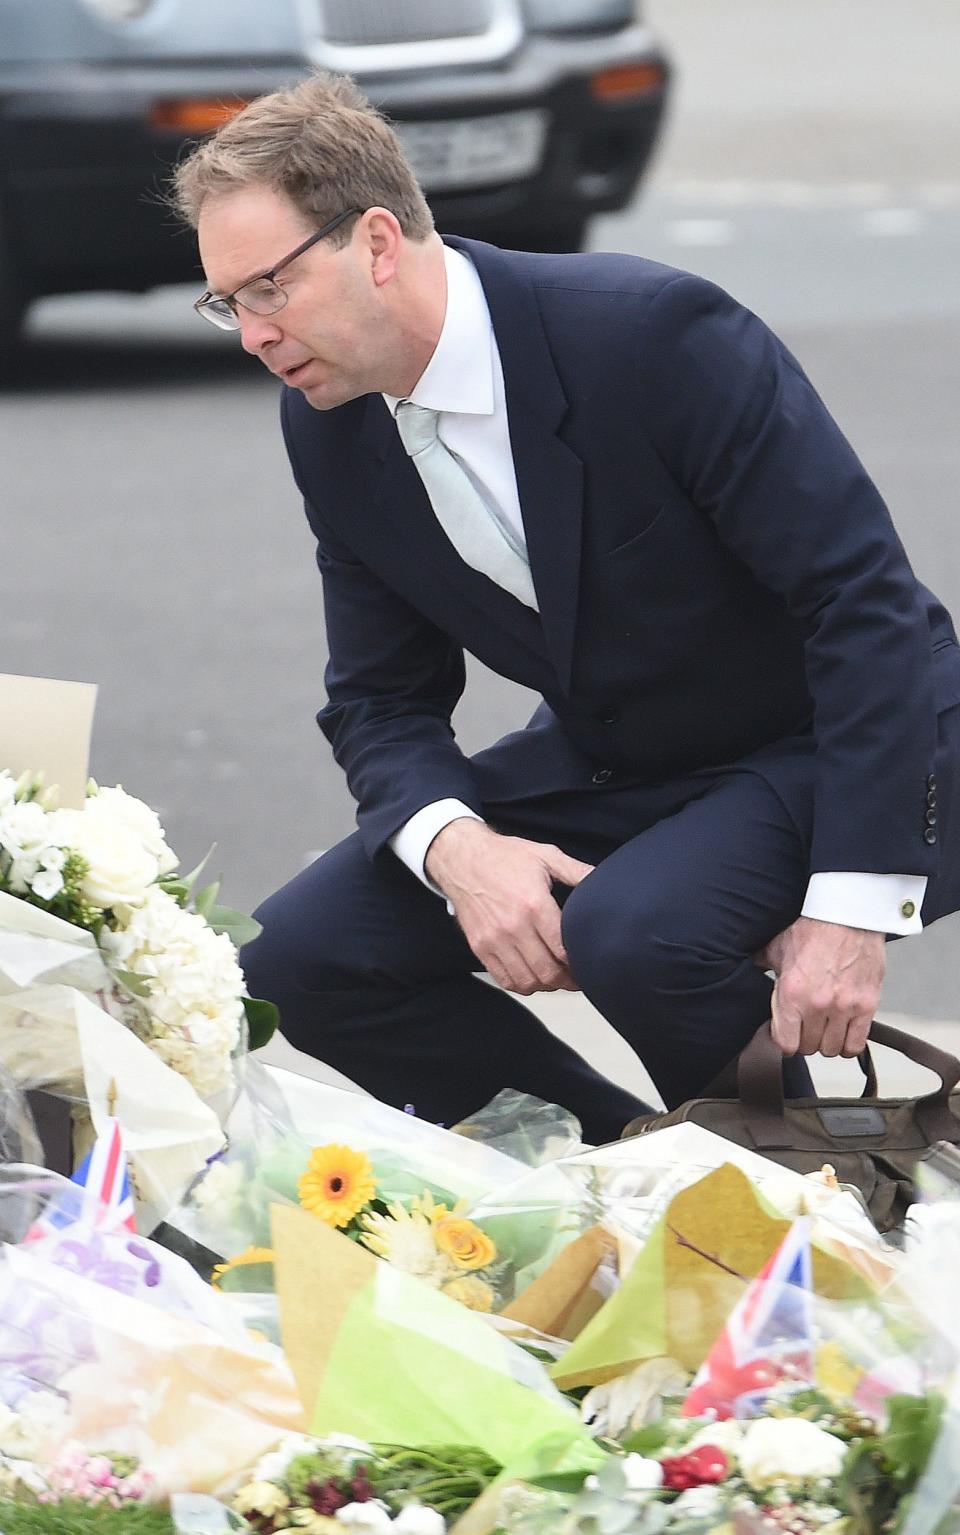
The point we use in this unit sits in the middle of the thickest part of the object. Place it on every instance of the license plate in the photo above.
(474, 151)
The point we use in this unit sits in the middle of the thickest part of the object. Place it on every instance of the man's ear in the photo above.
(384, 239)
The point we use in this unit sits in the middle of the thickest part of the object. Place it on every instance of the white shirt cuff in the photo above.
(882, 903)
(413, 840)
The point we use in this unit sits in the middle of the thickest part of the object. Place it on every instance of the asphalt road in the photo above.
(153, 540)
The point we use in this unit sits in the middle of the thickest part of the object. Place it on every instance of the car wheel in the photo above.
(560, 238)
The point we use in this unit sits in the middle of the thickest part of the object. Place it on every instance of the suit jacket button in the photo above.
(602, 775)
(931, 818)
(930, 835)
(931, 797)
(610, 717)
(932, 781)
(907, 908)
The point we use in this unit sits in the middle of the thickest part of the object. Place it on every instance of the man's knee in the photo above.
(630, 942)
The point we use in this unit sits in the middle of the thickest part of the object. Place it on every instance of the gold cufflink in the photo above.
(907, 908)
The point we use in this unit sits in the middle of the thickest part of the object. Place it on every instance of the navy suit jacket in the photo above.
(718, 578)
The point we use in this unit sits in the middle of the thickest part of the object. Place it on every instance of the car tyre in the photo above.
(13, 307)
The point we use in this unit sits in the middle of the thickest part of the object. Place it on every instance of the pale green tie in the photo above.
(470, 524)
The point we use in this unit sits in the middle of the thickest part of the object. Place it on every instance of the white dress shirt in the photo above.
(463, 381)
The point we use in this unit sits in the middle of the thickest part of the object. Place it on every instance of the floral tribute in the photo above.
(170, 950)
(420, 1235)
(327, 1486)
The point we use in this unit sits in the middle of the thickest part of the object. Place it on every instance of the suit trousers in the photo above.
(692, 878)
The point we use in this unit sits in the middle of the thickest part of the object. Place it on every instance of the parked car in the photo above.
(522, 117)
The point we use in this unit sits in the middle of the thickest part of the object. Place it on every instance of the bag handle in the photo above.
(760, 1084)
(726, 1083)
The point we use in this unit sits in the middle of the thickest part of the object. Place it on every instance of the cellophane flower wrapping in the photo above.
(529, 1214)
(112, 1345)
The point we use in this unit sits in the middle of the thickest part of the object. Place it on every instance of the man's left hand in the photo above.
(828, 986)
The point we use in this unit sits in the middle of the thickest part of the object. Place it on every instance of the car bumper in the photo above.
(84, 165)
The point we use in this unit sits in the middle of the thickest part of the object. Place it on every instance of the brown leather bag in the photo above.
(873, 1143)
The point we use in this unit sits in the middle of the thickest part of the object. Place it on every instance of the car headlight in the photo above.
(579, 15)
(118, 10)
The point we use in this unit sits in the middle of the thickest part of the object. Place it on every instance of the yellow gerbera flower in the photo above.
(250, 1255)
(463, 1242)
(337, 1184)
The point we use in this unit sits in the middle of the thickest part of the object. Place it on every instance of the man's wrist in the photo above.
(449, 840)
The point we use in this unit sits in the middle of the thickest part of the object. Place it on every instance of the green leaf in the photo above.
(912, 1427)
(137, 984)
(560, 1481)
(239, 928)
(205, 900)
(646, 1441)
(175, 888)
(191, 879)
(262, 1020)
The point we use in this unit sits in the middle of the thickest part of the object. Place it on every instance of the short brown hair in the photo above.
(322, 144)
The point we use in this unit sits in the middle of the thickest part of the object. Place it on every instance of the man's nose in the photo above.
(257, 331)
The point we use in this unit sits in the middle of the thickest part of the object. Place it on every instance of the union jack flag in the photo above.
(767, 1341)
(104, 1200)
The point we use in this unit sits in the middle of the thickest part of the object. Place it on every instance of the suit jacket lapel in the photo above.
(549, 473)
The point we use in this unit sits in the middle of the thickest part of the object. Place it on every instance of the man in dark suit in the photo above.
(613, 484)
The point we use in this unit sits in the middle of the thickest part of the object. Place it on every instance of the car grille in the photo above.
(366, 22)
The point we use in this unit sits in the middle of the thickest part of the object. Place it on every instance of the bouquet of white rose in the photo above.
(91, 906)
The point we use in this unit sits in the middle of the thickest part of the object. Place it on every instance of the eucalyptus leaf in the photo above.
(239, 928)
(262, 1020)
(611, 1478)
(617, 1517)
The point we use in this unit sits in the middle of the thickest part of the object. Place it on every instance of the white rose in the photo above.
(120, 869)
(126, 810)
(642, 1475)
(371, 1517)
(726, 1436)
(789, 1450)
(417, 1520)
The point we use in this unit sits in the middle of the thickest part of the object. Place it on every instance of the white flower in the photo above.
(642, 1475)
(629, 1401)
(8, 789)
(417, 1520)
(124, 809)
(196, 987)
(35, 1428)
(120, 869)
(789, 1449)
(348, 1442)
(698, 1503)
(405, 1238)
(47, 884)
(271, 1467)
(726, 1436)
(371, 1516)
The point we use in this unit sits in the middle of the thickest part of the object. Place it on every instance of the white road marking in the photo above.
(892, 221)
(827, 195)
(701, 231)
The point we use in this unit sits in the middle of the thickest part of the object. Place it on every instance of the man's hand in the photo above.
(828, 986)
(499, 888)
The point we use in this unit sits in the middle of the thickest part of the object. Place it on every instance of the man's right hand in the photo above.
(500, 890)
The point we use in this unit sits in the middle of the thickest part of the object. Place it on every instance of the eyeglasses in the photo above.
(261, 295)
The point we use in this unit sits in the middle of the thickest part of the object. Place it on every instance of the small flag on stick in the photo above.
(767, 1340)
(105, 1200)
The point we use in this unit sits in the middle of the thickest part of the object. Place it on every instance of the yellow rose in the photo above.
(463, 1242)
(470, 1292)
